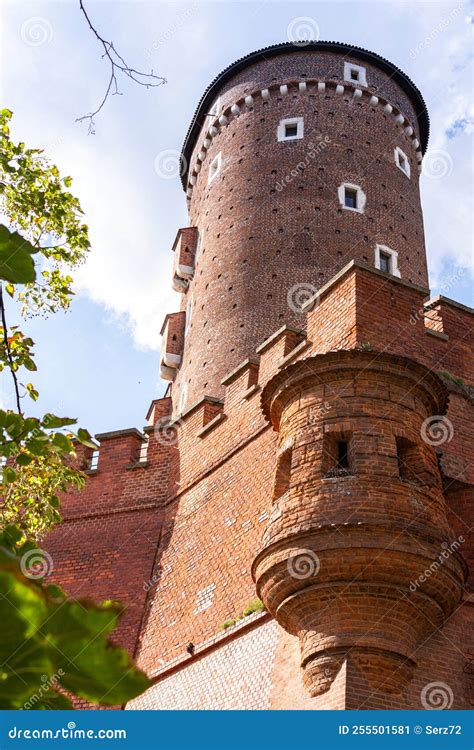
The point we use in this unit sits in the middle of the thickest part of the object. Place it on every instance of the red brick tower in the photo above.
(310, 159)
(315, 446)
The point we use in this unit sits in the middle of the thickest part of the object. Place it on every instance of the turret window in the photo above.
(290, 129)
(351, 197)
(337, 456)
(355, 73)
(386, 260)
(215, 167)
(401, 160)
(214, 110)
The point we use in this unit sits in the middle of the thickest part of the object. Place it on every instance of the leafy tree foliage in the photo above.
(51, 647)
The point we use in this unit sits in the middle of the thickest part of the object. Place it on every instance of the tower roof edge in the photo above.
(405, 83)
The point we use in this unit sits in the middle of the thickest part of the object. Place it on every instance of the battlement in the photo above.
(435, 333)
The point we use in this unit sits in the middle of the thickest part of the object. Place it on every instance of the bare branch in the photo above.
(117, 64)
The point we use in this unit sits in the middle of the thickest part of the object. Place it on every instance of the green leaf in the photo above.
(49, 642)
(9, 474)
(85, 438)
(52, 422)
(16, 263)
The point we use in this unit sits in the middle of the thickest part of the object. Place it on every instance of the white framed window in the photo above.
(355, 73)
(401, 160)
(214, 110)
(198, 248)
(290, 129)
(214, 167)
(386, 260)
(187, 322)
(182, 399)
(351, 197)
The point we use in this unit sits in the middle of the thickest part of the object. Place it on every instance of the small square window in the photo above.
(402, 162)
(385, 262)
(214, 167)
(350, 198)
(290, 129)
(355, 73)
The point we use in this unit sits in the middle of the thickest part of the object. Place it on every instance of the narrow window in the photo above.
(350, 198)
(385, 262)
(282, 475)
(198, 247)
(189, 308)
(214, 167)
(182, 400)
(214, 110)
(411, 467)
(343, 454)
(336, 459)
(354, 75)
(291, 131)
(402, 161)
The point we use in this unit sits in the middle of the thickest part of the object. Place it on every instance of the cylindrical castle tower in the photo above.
(298, 160)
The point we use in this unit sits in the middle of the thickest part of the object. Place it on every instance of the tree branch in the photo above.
(117, 64)
(8, 351)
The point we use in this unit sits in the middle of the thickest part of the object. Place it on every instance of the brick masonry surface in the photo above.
(235, 676)
(187, 520)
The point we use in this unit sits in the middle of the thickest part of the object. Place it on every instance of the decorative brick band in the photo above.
(303, 88)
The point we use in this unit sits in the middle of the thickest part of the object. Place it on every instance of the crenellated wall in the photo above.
(174, 536)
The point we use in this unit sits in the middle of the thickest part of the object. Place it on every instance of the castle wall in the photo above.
(208, 479)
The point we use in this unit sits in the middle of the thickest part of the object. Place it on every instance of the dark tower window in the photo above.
(291, 131)
(336, 458)
(354, 75)
(350, 198)
(385, 260)
(343, 454)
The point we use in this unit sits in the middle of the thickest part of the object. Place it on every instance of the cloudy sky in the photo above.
(100, 361)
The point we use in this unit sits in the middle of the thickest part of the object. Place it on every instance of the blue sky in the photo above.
(100, 361)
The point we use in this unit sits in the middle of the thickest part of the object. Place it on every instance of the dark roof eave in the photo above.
(405, 83)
